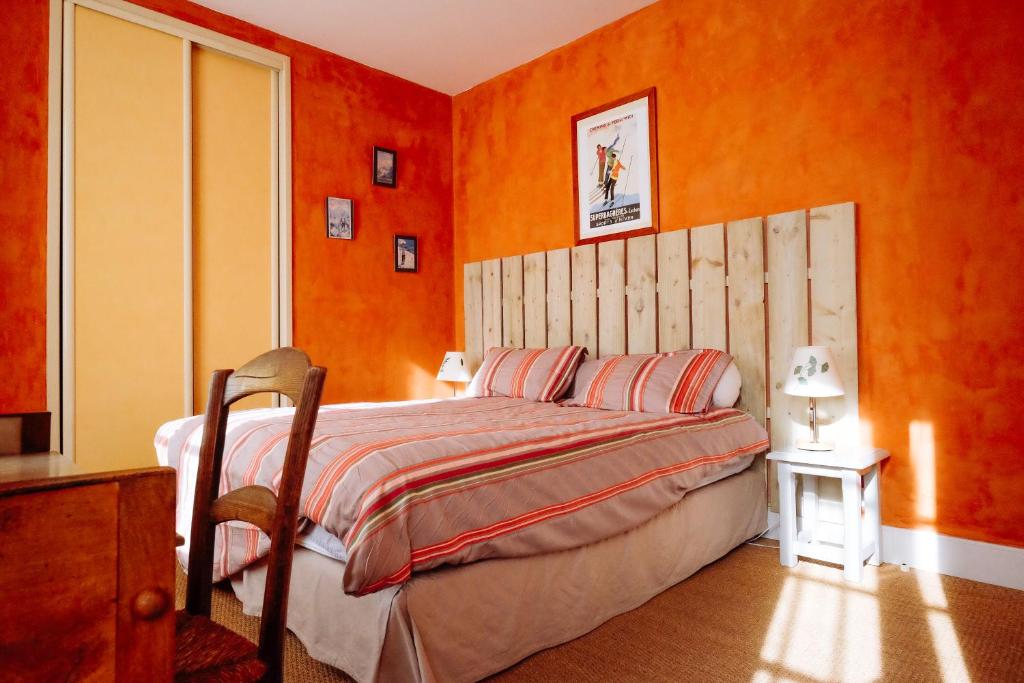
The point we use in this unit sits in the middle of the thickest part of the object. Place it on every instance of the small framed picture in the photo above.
(385, 167)
(339, 218)
(407, 254)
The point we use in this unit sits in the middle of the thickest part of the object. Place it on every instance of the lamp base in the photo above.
(809, 445)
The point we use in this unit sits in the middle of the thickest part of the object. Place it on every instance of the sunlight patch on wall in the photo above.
(922, 458)
(422, 383)
(867, 433)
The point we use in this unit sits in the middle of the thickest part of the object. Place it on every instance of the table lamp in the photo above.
(454, 369)
(813, 373)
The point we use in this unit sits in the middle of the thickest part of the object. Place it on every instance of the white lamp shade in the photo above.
(453, 368)
(813, 373)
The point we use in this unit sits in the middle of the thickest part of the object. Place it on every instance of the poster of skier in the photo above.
(615, 169)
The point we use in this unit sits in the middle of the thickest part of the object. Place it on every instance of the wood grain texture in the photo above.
(58, 578)
(833, 265)
(584, 297)
(35, 472)
(286, 516)
(473, 305)
(730, 304)
(641, 295)
(535, 313)
(673, 290)
(282, 370)
(512, 333)
(251, 505)
(707, 278)
(559, 285)
(746, 312)
(24, 433)
(833, 292)
(145, 571)
(611, 300)
(786, 240)
(211, 452)
(492, 303)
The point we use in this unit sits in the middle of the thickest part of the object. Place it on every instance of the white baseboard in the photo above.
(924, 549)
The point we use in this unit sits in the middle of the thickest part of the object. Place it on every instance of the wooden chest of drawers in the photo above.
(86, 572)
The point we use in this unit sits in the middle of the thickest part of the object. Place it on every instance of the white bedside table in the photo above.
(847, 465)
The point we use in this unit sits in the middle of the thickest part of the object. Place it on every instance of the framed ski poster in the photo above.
(615, 169)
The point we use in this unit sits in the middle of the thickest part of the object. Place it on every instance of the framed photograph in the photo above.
(615, 169)
(407, 254)
(339, 218)
(385, 167)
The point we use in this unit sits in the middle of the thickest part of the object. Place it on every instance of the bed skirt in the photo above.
(467, 622)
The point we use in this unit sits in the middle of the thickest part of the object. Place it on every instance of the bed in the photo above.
(555, 494)
(465, 623)
(743, 286)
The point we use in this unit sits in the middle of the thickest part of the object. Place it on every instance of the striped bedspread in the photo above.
(411, 486)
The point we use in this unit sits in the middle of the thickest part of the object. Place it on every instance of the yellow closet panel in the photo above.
(128, 239)
(232, 228)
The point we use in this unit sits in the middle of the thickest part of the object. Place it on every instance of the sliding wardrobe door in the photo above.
(128, 238)
(233, 227)
(175, 235)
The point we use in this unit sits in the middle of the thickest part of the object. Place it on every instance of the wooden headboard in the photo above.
(756, 287)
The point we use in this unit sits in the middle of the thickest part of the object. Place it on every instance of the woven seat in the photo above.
(206, 651)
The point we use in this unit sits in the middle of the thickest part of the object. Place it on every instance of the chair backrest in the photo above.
(286, 371)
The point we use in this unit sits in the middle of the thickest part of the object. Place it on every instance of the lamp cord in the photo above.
(762, 545)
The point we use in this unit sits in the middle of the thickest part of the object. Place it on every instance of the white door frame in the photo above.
(60, 293)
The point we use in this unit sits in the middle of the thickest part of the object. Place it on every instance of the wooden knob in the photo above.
(150, 604)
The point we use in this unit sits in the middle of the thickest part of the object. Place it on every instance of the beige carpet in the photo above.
(746, 618)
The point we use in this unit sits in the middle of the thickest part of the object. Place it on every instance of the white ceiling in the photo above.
(447, 45)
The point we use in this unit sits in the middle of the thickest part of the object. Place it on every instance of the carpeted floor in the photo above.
(746, 618)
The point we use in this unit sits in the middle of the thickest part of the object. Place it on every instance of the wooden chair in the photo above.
(205, 650)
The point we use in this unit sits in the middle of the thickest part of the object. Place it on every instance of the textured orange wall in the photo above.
(911, 109)
(381, 334)
(23, 41)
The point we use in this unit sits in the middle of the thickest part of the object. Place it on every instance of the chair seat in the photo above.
(207, 651)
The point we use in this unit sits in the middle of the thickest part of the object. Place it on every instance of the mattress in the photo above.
(465, 623)
(411, 487)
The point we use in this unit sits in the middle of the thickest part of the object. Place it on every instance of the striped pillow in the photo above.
(533, 374)
(676, 382)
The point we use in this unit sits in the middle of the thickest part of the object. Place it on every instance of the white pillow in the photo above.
(728, 390)
(320, 540)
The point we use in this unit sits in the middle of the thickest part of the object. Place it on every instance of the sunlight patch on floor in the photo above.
(944, 638)
(845, 619)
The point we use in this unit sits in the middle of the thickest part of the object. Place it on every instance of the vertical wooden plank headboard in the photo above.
(756, 287)
(746, 282)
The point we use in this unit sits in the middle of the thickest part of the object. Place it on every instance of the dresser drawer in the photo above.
(87, 577)
(58, 551)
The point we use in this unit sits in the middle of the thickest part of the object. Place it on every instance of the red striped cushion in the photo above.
(676, 382)
(533, 374)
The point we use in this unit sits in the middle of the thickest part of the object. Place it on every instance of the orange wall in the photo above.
(911, 109)
(381, 334)
(23, 41)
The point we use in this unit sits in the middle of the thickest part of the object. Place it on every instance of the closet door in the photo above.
(233, 185)
(128, 241)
